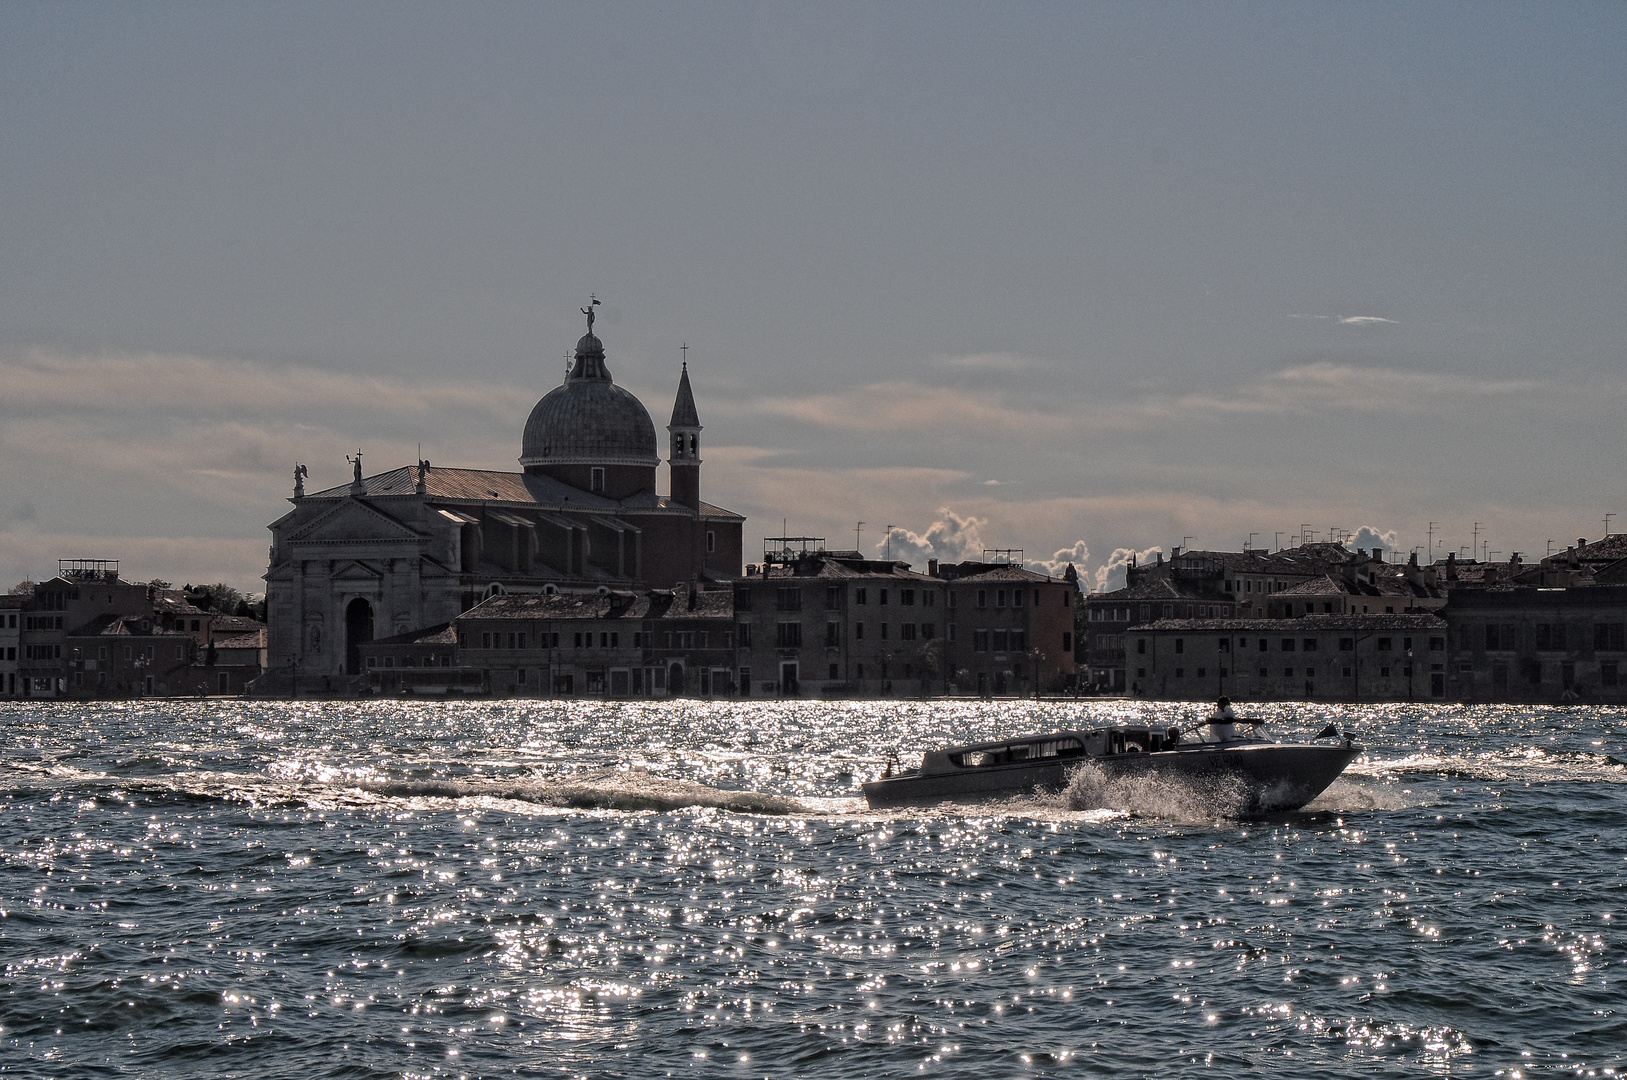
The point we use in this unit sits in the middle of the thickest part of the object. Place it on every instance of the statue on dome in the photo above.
(588, 311)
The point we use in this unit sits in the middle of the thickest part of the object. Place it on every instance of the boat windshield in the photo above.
(1065, 746)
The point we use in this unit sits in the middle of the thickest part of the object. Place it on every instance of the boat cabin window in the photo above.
(1066, 747)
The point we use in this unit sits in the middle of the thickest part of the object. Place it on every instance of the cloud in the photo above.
(1076, 556)
(991, 361)
(1368, 538)
(950, 539)
(1316, 388)
(891, 408)
(40, 381)
(1111, 575)
(1346, 320)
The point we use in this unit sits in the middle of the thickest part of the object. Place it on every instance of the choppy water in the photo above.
(590, 889)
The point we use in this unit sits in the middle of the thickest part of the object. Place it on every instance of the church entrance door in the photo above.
(358, 632)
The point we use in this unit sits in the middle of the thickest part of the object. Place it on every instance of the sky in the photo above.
(1084, 280)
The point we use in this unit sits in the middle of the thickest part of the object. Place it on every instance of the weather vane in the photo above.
(593, 302)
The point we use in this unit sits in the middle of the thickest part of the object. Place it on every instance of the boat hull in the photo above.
(1272, 776)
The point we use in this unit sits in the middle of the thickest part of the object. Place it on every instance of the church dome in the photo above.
(589, 420)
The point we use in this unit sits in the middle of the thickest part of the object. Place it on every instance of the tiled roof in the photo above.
(1308, 624)
(525, 489)
(1161, 589)
(981, 571)
(255, 640)
(439, 634)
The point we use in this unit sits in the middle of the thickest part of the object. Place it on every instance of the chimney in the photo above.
(1378, 554)
(932, 568)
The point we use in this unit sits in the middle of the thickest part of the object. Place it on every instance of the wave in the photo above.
(1528, 762)
(630, 790)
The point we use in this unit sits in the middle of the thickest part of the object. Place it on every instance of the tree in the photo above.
(222, 598)
(160, 583)
(23, 588)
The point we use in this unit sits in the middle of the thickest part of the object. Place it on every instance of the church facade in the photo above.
(415, 547)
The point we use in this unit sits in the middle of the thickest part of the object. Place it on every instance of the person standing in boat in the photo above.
(1223, 721)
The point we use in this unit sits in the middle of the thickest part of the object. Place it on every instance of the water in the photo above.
(691, 888)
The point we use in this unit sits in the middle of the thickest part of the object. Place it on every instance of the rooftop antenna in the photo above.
(1550, 545)
(1277, 543)
(1184, 545)
(889, 556)
(1249, 544)
(1304, 533)
(858, 537)
(1607, 518)
(1474, 545)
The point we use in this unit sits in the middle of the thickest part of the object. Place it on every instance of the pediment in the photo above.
(356, 571)
(350, 521)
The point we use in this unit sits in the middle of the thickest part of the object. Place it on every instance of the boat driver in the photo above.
(1223, 721)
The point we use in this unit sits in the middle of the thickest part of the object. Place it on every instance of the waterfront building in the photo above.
(817, 623)
(1307, 658)
(1010, 630)
(1539, 645)
(11, 607)
(395, 553)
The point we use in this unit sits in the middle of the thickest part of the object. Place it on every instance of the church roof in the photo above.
(489, 485)
(589, 420)
(684, 413)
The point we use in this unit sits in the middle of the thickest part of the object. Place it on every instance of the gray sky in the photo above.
(1058, 277)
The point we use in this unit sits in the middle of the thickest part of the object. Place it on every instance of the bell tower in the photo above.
(685, 429)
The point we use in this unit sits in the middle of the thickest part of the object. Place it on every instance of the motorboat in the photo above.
(1270, 775)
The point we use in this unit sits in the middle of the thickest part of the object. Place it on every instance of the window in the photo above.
(1203, 672)
(1067, 639)
(1287, 644)
(951, 600)
(1347, 644)
(1016, 598)
(982, 598)
(1308, 645)
(833, 635)
(1141, 646)
(1551, 636)
(906, 596)
(928, 597)
(1611, 637)
(860, 596)
(1607, 675)
(1180, 645)
(1437, 644)
(745, 682)
(711, 541)
(858, 631)
(788, 635)
(906, 631)
(881, 596)
(980, 641)
(1002, 638)
(1288, 673)
(928, 631)
(833, 675)
(1224, 644)
(1019, 639)
(1384, 644)
(1263, 645)
(884, 631)
(788, 598)
(999, 598)
(598, 478)
(833, 597)
(742, 598)
(952, 637)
